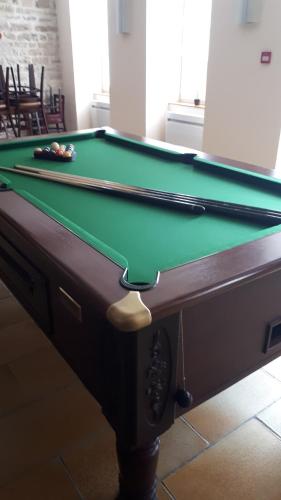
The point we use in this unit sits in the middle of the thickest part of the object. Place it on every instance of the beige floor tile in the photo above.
(243, 466)
(19, 340)
(93, 466)
(11, 394)
(4, 292)
(42, 371)
(49, 482)
(274, 368)
(271, 416)
(163, 494)
(11, 312)
(232, 407)
(41, 430)
(177, 446)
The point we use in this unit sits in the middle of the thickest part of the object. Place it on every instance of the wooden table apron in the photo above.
(251, 271)
(223, 304)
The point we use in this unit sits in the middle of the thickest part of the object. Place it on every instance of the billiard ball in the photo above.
(59, 152)
(67, 154)
(38, 150)
(62, 147)
(55, 146)
(69, 147)
(46, 149)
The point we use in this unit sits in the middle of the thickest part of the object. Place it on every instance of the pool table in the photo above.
(156, 309)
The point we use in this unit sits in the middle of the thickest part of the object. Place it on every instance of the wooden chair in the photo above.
(19, 79)
(2, 80)
(30, 104)
(32, 84)
(29, 90)
(7, 109)
(55, 113)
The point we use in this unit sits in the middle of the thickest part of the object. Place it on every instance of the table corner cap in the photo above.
(130, 313)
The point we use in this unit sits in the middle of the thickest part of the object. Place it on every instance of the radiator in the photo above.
(100, 114)
(185, 130)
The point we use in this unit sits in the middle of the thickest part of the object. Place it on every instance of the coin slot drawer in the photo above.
(273, 339)
(27, 283)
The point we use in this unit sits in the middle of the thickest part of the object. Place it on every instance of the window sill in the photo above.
(101, 99)
(189, 111)
(183, 107)
(186, 104)
(176, 110)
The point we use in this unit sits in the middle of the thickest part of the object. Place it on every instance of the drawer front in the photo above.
(25, 282)
(231, 335)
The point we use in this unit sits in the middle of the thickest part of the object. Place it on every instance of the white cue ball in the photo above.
(55, 146)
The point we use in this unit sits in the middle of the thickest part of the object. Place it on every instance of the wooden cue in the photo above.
(214, 205)
(113, 187)
(102, 187)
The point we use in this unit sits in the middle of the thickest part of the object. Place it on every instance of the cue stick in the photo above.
(178, 196)
(179, 204)
(180, 201)
(226, 208)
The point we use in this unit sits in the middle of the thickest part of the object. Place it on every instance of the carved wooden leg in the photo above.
(138, 471)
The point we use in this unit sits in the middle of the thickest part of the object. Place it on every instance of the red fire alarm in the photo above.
(266, 57)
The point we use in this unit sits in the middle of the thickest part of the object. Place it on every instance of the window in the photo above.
(99, 56)
(104, 55)
(192, 30)
(195, 49)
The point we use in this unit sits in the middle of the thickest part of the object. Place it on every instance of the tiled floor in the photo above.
(56, 445)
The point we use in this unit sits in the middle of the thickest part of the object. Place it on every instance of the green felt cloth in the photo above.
(143, 237)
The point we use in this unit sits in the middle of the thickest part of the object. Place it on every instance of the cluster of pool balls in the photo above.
(55, 151)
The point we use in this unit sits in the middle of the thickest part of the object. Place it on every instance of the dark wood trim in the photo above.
(56, 243)
(159, 144)
(241, 165)
(214, 274)
(181, 285)
(139, 465)
(187, 283)
(206, 156)
(135, 375)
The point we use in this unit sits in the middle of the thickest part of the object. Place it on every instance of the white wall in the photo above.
(80, 51)
(278, 157)
(163, 50)
(66, 56)
(243, 113)
(144, 70)
(86, 40)
(127, 54)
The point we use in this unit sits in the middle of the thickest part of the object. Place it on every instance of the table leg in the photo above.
(138, 471)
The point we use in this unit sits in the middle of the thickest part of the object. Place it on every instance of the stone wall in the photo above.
(30, 35)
